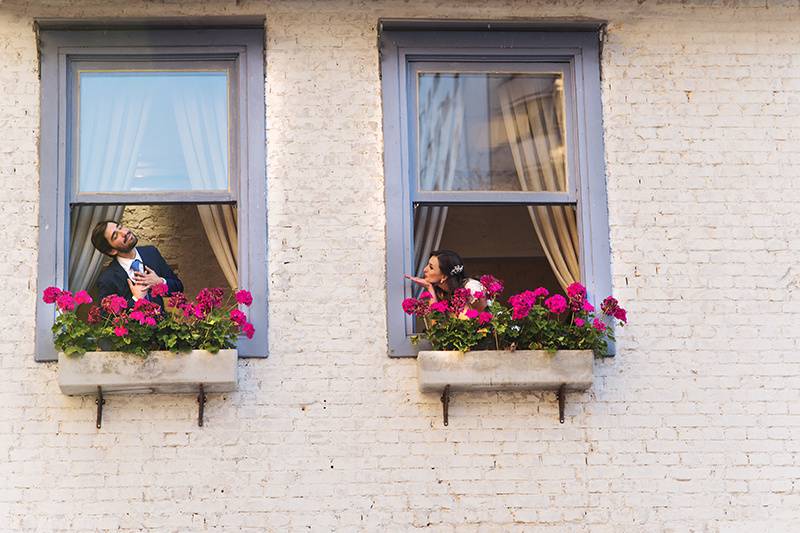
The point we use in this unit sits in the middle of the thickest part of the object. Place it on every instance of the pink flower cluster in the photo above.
(207, 299)
(420, 306)
(492, 285)
(610, 307)
(159, 290)
(145, 312)
(241, 320)
(556, 304)
(522, 303)
(483, 317)
(461, 299)
(114, 304)
(64, 300)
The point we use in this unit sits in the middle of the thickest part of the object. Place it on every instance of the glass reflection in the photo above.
(491, 132)
(152, 131)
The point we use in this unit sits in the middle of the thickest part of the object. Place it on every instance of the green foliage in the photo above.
(73, 336)
(528, 322)
(451, 333)
(206, 324)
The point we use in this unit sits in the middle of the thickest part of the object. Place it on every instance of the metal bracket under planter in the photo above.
(103, 373)
(559, 371)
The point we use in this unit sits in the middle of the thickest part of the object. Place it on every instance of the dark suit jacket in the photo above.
(114, 280)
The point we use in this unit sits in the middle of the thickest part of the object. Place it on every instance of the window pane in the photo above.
(526, 246)
(152, 131)
(198, 241)
(491, 132)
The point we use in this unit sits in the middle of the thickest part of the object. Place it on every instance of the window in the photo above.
(493, 149)
(157, 124)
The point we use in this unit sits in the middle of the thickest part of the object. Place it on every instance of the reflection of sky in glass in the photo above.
(153, 131)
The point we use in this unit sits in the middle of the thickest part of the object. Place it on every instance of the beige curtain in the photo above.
(219, 222)
(441, 118)
(203, 130)
(533, 117)
(85, 262)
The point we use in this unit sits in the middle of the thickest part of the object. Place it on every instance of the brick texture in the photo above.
(694, 426)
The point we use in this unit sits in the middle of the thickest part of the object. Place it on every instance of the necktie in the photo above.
(136, 266)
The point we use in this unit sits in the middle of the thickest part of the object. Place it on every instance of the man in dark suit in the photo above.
(134, 270)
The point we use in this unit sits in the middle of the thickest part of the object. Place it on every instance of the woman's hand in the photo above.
(421, 282)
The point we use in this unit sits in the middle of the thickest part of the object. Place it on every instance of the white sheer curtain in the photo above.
(203, 130)
(441, 111)
(110, 135)
(534, 123)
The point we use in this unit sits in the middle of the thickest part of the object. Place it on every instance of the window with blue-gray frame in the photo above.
(493, 149)
(169, 119)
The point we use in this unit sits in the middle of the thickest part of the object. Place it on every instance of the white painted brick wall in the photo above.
(695, 426)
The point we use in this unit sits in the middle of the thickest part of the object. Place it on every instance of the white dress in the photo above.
(475, 286)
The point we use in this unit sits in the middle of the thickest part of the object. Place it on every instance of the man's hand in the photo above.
(146, 279)
(138, 291)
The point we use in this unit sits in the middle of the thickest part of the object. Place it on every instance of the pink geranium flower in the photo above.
(461, 297)
(238, 317)
(577, 296)
(120, 331)
(440, 306)
(576, 290)
(159, 290)
(541, 292)
(556, 304)
(248, 330)
(598, 325)
(621, 315)
(472, 314)
(492, 285)
(82, 297)
(114, 304)
(580, 322)
(65, 301)
(425, 295)
(94, 316)
(211, 298)
(51, 294)
(609, 305)
(244, 297)
(409, 304)
(587, 306)
(484, 317)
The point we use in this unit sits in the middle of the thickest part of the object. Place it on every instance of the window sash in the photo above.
(458, 65)
(164, 61)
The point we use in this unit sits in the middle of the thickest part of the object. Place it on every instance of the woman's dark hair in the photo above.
(452, 266)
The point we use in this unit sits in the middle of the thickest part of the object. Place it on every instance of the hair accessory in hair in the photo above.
(458, 269)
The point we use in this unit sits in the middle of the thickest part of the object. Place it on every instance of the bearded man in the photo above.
(135, 270)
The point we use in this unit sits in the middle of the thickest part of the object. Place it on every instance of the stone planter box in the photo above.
(559, 371)
(164, 372)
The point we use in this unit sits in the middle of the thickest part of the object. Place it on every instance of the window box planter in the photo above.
(559, 371)
(100, 373)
